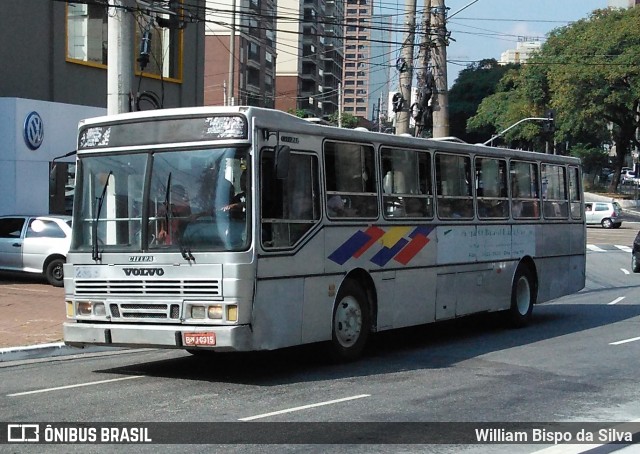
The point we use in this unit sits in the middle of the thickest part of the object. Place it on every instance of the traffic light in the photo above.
(175, 20)
(397, 101)
(549, 125)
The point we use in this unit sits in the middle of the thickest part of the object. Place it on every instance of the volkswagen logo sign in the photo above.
(33, 130)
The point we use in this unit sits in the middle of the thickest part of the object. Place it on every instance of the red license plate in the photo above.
(192, 339)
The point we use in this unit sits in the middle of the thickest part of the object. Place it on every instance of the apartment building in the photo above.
(54, 73)
(622, 3)
(240, 52)
(310, 56)
(367, 53)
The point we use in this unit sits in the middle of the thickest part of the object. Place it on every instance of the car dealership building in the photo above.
(55, 74)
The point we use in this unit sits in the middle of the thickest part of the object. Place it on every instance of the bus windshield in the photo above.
(164, 200)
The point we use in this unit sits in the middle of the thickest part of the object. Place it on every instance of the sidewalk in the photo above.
(31, 316)
(31, 311)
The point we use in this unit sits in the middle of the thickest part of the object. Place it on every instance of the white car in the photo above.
(607, 214)
(35, 244)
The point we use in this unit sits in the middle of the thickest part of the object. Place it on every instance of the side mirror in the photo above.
(282, 161)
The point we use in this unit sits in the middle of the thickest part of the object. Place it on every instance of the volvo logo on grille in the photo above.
(33, 130)
(141, 258)
(143, 271)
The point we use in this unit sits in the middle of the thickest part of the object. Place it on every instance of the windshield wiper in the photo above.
(186, 252)
(95, 253)
(167, 204)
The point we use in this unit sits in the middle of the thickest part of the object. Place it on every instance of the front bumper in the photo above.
(228, 338)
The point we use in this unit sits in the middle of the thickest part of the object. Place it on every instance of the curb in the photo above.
(46, 351)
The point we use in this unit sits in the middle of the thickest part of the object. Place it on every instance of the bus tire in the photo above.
(635, 264)
(54, 273)
(523, 297)
(351, 322)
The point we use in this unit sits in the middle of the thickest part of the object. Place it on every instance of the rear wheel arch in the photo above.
(365, 280)
(352, 316)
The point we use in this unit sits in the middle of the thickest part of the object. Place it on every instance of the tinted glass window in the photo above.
(350, 180)
(44, 228)
(11, 227)
(406, 183)
(291, 206)
(453, 181)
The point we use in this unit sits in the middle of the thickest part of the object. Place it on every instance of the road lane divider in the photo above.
(616, 301)
(79, 385)
(625, 341)
(304, 407)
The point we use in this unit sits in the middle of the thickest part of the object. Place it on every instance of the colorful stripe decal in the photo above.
(393, 241)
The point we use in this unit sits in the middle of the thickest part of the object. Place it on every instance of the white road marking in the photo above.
(616, 301)
(623, 248)
(304, 407)
(625, 271)
(74, 386)
(625, 341)
(594, 248)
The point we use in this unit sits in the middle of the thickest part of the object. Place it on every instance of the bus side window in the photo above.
(491, 188)
(453, 178)
(525, 195)
(290, 207)
(554, 191)
(350, 180)
(406, 183)
(574, 192)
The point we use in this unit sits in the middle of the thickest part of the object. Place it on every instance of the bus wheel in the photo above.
(523, 297)
(351, 322)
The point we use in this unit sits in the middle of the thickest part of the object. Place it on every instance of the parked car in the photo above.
(629, 176)
(635, 254)
(607, 214)
(35, 244)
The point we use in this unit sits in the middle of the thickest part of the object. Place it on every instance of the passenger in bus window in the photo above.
(237, 207)
(335, 206)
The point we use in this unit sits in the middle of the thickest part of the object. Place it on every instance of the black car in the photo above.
(635, 254)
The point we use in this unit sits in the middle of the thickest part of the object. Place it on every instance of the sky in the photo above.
(487, 28)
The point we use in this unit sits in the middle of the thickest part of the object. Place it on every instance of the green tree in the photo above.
(594, 69)
(593, 159)
(473, 84)
(348, 121)
(588, 73)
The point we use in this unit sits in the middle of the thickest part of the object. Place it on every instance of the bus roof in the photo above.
(271, 119)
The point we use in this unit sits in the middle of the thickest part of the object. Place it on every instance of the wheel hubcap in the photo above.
(348, 321)
(58, 273)
(523, 296)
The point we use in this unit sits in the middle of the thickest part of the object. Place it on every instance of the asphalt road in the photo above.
(577, 362)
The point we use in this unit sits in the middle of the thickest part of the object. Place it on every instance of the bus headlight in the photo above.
(90, 308)
(198, 312)
(218, 312)
(215, 312)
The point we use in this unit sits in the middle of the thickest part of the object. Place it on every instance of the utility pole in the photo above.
(232, 55)
(120, 56)
(440, 103)
(406, 67)
(425, 76)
